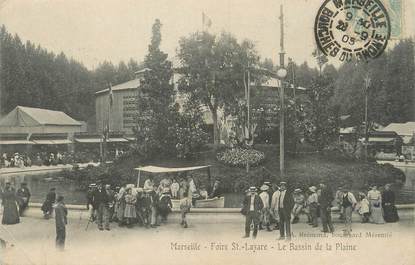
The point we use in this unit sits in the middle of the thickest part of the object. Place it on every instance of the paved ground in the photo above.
(219, 238)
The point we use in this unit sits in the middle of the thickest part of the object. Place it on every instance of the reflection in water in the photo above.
(39, 185)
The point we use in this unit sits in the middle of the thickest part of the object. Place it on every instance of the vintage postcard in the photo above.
(207, 132)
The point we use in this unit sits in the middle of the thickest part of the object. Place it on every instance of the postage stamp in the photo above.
(347, 29)
(395, 9)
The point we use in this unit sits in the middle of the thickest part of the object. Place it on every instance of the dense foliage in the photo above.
(163, 130)
(212, 70)
(34, 77)
(391, 92)
(156, 102)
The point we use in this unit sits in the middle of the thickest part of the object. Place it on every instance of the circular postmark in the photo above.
(352, 29)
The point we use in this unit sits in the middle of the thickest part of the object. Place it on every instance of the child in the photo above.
(165, 204)
(175, 189)
(185, 205)
(363, 207)
(203, 192)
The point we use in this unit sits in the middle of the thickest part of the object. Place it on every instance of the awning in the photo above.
(62, 141)
(132, 139)
(117, 140)
(52, 141)
(381, 139)
(43, 141)
(7, 142)
(88, 140)
(155, 169)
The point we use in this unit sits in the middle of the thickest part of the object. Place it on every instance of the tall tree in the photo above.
(156, 103)
(213, 70)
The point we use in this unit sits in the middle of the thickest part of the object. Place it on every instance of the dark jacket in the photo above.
(258, 205)
(215, 192)
(326, 197)
(61, 213)
(288, 202)
(100, 197)
(23, 195)
(154, 199)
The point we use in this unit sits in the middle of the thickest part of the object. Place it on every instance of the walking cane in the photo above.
(89, 221)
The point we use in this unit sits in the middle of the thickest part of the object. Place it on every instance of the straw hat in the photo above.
(313, 189)
(252, 189)
(166, 190)
(297, 190)
(264, 187)
(129, 186)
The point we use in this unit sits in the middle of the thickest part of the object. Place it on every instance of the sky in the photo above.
(92, 31)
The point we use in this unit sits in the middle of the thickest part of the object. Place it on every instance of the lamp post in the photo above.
(367, 81)
(282, 73)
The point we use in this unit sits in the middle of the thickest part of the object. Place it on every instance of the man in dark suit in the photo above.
(216, 190)
(61, 213)
(23, 196)
(325, 200)
(282, 205)
(101, 200)
(252, 207)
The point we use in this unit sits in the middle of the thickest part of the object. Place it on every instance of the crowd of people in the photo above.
(14, 203)
(148, 206)
(44, 158)
(275, 205)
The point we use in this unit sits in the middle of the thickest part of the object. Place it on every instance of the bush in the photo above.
(240, 157)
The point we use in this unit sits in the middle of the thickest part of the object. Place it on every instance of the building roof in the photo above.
(401, 128)
(132, 84)
(27, 117)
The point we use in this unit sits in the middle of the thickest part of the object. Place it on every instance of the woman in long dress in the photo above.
(120, 206)
(390, 212)
(130, 213)
(9, 202)
(375, 199)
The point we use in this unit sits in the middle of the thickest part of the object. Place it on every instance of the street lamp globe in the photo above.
(282, 73)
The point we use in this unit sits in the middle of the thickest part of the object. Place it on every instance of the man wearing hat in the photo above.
(101, 200)
(265, 210)
(89, 194)
(47, 206)
(325, 200)
(23, 197)
(348, 204)
(299, 201)
(312, 202)
(252, 207)
(61, 213)
(282, 205)
(164, 204)
(216, 190)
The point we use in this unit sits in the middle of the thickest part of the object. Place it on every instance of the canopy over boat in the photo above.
(156, 169)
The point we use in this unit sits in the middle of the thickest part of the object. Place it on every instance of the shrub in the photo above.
(240, 157)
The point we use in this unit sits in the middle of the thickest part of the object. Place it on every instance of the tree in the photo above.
(391, 90)
(322, 120)
(190, 135)
(213, 70)
(157, 111)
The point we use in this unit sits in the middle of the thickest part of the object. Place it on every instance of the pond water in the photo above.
(40, 183)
